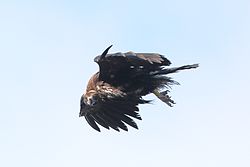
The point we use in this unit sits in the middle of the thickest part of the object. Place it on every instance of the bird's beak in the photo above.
(81, 113)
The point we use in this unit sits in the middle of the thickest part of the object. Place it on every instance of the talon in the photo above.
(164, 97)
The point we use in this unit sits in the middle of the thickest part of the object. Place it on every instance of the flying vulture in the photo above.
(114, 93)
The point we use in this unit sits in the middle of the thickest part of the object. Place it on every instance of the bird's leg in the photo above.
(163, 96)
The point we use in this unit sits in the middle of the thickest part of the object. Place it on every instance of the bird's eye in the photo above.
(82, 104)
(92, 101)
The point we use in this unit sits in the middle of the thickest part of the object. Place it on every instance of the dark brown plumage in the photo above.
(114, 93)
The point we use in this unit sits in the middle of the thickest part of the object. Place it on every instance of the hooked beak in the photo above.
(88, 106)
(81, 113)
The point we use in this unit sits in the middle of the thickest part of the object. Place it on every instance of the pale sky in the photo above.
(47, 50)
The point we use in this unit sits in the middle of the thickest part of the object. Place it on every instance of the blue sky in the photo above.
(47, 50)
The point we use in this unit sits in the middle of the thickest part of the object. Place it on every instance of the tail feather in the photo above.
(175, 69)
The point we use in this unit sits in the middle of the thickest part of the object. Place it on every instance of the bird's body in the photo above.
(113, 93)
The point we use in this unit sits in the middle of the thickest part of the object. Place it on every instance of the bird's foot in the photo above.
(163, 96)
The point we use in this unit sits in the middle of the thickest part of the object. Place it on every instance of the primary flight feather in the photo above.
(114, 93)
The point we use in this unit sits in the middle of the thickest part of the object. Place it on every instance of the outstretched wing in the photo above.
(112, 112)
(119, 68)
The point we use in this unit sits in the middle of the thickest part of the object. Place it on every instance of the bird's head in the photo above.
(88, 102)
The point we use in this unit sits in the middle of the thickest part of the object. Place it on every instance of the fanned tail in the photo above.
(163, 81)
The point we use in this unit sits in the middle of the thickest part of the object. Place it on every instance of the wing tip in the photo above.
(91, 122)
(100, 57)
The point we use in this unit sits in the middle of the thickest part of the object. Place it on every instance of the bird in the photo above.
(113, 93)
